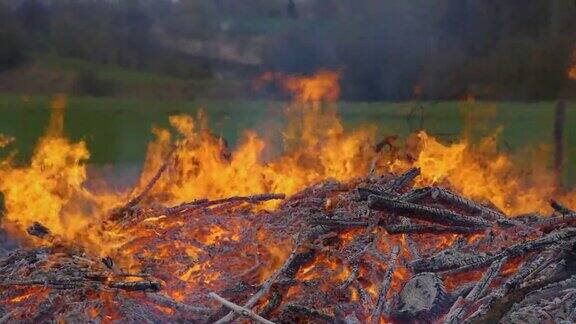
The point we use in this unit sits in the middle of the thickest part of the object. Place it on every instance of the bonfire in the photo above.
(339, 227)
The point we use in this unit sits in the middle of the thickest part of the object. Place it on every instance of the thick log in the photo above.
(429, 214)
(454, 261)
(447, 260)
(421, 299)
(417, 194)
(547, 224)
(365, 297)
(147, 285)
(431, 229)
(472, 207)
(402, 180)
(341, 224)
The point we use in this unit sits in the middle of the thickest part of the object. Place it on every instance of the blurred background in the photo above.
(445, 66)
(167, 49)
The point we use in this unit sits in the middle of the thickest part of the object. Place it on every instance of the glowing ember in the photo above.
(572, 69)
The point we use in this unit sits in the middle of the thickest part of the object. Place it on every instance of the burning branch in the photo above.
(121, 212)
(205, 203)
(402, 180)
(460, 307)
(268, 283)
(385, 285)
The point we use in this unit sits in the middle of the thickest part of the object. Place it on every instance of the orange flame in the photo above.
(51, 190)
(572, 69)
(323, 86)
(572, 72)
(316, 148)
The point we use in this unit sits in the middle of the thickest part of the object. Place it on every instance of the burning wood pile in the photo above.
(373, 249)
(342, 232)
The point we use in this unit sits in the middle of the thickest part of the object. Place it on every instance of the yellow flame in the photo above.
(316, 148)
(51, 189)
(6, 140)
(481, 173)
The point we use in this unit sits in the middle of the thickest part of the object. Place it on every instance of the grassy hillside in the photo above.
(105, 71)
(45, 74)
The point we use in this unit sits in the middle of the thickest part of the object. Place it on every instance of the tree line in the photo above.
(385, 50)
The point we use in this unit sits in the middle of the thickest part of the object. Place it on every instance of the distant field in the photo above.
(45, 73)
(110, 72)
(117, 130)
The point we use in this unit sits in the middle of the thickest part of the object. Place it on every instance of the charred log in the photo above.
(38, 230)
(147, 286)
(429, 214)
(402, 180)
(454, 261)
(460, 307)
(553, 303)
(385, 285)
(421, 299)
(432, 229)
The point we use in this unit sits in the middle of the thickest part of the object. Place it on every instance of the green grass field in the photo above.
(109, 72)
(118, 130)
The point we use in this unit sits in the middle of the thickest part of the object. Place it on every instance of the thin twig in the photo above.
(239, 310)
(136, 200)
(119, 213)
(169, 302)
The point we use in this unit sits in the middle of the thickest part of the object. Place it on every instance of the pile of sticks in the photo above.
(370, 249)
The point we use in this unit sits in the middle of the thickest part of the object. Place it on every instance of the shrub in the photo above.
(88, 83)
(11, 53)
